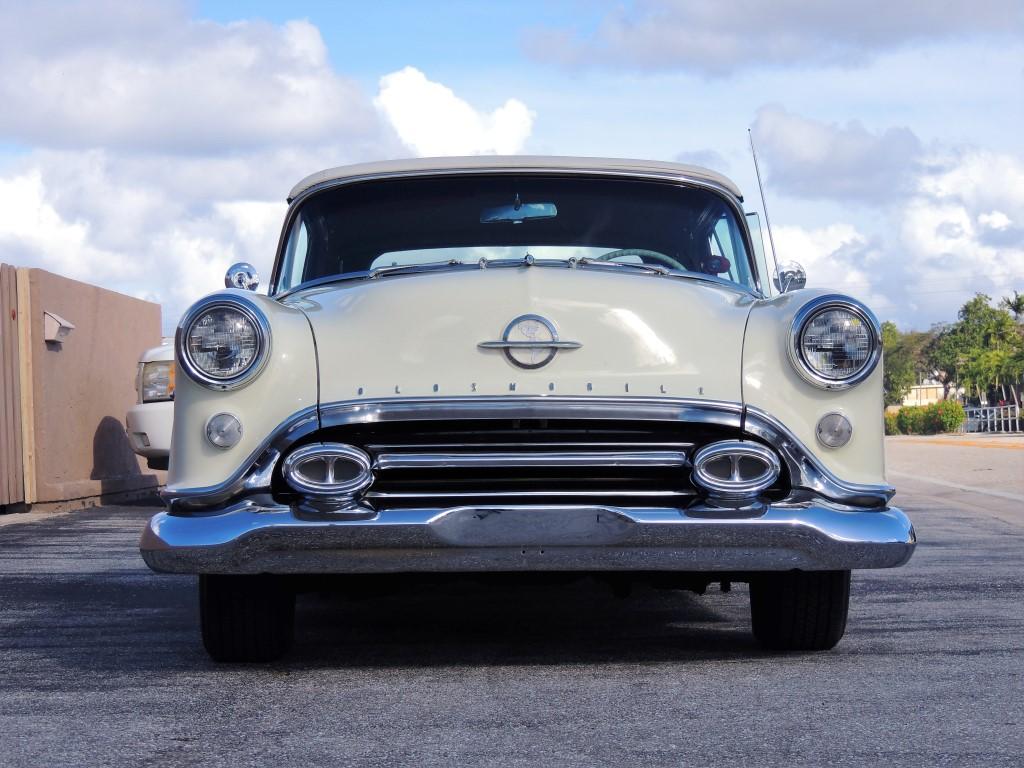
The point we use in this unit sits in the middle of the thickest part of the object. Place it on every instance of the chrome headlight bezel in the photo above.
(244, 307)
(812, 309)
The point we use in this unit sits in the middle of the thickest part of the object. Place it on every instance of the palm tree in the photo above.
(1015, 305)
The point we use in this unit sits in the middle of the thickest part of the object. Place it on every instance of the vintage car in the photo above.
(514, 364)
(148, 423)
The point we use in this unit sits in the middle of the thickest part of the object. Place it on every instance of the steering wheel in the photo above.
(644, 255)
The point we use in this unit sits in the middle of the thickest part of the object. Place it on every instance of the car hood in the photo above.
(419, 335)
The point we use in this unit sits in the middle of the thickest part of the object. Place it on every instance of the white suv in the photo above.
(149, 421)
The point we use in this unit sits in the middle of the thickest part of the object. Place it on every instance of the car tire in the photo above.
(800, 610)
(246, 618)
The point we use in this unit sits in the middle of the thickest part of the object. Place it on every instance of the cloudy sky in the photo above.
(145, 146)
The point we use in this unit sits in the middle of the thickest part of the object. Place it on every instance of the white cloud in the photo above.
(943, 242)
(837, 256)
(808, 158)
(954, 241)
(996, 220)
(720, 39)
(432, 120)
(173, 262)
(32, 231)
(161, 148)
(145, 76)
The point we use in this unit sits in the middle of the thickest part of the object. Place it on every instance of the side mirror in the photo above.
(242, 275)
(790, 277)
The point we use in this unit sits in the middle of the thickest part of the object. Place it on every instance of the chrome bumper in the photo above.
(250, 537)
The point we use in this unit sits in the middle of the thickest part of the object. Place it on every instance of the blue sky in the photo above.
(164, 135)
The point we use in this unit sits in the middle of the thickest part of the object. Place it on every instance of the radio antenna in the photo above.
(764, 205)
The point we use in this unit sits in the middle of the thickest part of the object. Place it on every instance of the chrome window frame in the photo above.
(680, 180)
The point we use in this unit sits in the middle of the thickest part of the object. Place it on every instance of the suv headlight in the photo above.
(223, 342)
(835, 342)
(156, 381)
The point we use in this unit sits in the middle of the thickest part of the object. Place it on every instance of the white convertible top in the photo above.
(529, 163)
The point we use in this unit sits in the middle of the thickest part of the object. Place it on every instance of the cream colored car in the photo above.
(507, 364)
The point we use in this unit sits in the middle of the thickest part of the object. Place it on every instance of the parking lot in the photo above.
(100, 660)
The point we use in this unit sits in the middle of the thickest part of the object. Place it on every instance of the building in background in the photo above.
(68, 357)
(927, 392)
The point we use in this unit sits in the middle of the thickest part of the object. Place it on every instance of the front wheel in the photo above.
(800, 610)
(246, 618)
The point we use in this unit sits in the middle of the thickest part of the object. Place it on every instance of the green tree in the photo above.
(1014, 305)
(899, 368)
(982, 350)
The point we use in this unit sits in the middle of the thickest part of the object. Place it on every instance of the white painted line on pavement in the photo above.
(961, 486)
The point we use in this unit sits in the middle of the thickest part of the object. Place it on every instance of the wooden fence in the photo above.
(12, 468)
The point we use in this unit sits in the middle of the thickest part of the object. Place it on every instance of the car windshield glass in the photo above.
(368, 226)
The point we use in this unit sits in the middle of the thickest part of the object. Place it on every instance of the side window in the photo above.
(294, 257)
(757, 236)
(721, 239)
(725, 242)
(720, 243)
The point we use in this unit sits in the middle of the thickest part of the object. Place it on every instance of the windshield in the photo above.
(358, 228)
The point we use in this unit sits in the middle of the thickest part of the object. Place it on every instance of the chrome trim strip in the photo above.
(805, 470)
(266, 538)
(252, 312)
(803, 316)
(529, 345)
(386, 461)
(737, 487)
(254, 473)
(731, 199)
(324, 282)
(486, 408)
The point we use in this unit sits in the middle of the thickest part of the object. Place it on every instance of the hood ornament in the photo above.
(530, 341)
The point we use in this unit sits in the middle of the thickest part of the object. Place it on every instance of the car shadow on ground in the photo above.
(505, 622)
(120, 622)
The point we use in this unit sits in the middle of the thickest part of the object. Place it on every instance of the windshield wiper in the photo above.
(429, 266)
(656, 269)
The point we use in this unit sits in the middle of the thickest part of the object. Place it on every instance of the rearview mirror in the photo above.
(518, 212)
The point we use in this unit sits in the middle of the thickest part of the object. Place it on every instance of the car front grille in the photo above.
(526, 461)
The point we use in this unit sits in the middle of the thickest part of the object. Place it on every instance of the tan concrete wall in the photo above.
(82, 388)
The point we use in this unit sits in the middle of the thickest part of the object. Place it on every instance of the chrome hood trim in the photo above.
(808, 474)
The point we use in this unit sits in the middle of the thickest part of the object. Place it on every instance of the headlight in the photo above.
(223, 342)
(835, 342)
(156, 381)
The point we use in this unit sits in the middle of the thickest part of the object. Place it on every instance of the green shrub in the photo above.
(891, 427)
(945, 416)
(911, 420)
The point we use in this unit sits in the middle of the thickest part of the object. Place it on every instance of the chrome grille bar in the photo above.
(441, 447)
(607, 493)
(509, 459)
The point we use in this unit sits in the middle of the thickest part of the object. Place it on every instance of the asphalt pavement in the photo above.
(100, 660)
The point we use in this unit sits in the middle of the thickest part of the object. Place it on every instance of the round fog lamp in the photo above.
(224, 430)
(834, 430)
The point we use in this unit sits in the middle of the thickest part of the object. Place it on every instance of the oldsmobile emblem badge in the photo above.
(530, 341)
